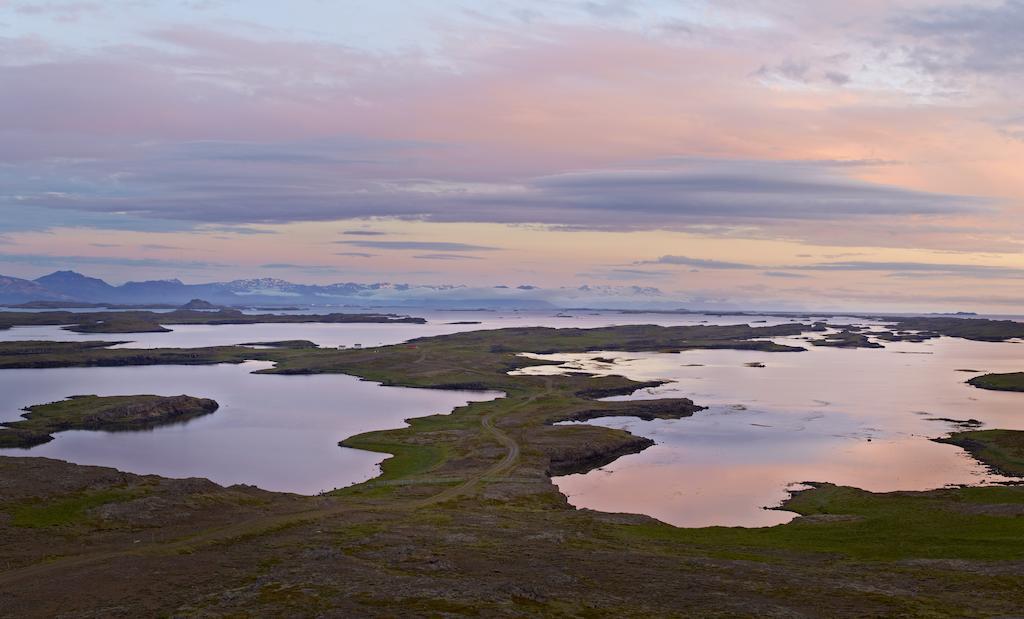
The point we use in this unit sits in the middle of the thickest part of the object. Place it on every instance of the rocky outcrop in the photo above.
(584, 457)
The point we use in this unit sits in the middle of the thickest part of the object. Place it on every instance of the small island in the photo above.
(90, 412)
(295, 344)
(846, 338)
(1013, 381)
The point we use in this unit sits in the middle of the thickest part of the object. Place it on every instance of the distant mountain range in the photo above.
(69, 286)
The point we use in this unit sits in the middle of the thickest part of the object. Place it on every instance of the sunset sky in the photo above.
(776, 154)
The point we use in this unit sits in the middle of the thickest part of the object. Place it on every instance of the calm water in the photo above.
(370, 334)
(276, 432)
(856, 417)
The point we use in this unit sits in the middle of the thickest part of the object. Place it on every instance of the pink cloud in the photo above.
(505, 106)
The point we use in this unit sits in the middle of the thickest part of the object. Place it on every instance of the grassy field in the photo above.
(66, 511)
(465, 521)
(970, 523)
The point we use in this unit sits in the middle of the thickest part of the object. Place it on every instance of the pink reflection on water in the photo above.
(862, 418)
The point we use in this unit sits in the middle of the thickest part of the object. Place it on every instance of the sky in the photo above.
(787, 154)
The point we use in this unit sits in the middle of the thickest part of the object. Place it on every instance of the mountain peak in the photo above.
(76, 286)
(68, 276)
(17, 290)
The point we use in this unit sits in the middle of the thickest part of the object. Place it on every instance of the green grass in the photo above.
(1000, 495)
(999, 382)
(869, 526)
(1002, 450)
(411, 459)
(405, 460)
(66, 511)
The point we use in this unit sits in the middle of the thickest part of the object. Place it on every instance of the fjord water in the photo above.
(276, 432)
(860, 417)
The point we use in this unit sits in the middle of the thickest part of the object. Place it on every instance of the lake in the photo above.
(857, 417)
(854, 417)
(276, 432)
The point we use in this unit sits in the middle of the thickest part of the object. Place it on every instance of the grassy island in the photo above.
(90, 412)
(999, 382)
